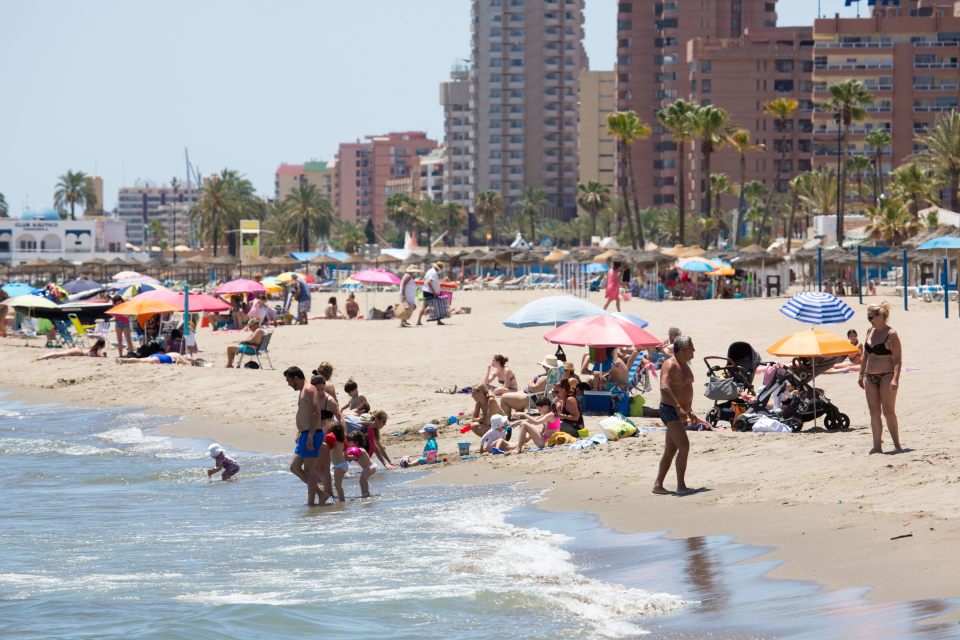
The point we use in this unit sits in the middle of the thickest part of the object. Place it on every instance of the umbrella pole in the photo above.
(814, 361)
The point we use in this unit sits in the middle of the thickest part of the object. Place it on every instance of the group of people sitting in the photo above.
(331, 434)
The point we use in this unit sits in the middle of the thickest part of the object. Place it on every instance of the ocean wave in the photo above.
(44, 447)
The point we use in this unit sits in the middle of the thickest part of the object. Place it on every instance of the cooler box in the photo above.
(600, 402)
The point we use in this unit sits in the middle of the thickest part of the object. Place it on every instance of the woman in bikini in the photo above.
(567, 408)
(96, 351)
(499, 373)
(485, 407)
(880, 375)
(533, 429)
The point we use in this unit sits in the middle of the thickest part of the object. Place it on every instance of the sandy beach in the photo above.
(826, 507)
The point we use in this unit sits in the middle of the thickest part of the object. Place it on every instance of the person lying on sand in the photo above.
(157, 358)
(96, 351)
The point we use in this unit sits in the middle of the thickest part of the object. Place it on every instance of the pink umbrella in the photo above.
(239, 286)
(375, 276)
(199, 302)
(601, 331)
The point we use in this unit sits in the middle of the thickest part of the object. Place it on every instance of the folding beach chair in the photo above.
(62, 334)
(80, 328)
(262, 348)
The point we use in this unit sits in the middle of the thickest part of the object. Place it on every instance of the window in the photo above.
(706, 66)
(783, 66)
(706, 86)
(625, 7)
(783, 86)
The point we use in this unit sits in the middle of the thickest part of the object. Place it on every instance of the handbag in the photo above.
(722, 389)
(404, 310)
(438, 308)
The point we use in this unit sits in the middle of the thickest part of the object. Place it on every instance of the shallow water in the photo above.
(109, 531)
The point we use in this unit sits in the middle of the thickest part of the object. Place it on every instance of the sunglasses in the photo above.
(871, 316)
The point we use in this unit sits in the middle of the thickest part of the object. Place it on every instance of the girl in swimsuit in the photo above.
(96, 351)
(536, 430)
(499, 373)
(336, 440)
(357, 452)
(880, 375)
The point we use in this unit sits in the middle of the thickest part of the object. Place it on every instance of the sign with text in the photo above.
(249, 240)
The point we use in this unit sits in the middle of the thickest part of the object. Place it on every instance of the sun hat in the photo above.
(412, 269)
(439, 264)
(550, 362)
(214, 450)
(429, 428)
(253, 321)
(497, 421)
(366, 419)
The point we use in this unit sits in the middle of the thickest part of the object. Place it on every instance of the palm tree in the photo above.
(453, 220)
(348, 236)
(781, 110)
(756, 194)
(488, 205)
(858, 166)
(849, 99)
(530, 207)
(158, 233)
(627, 128)
(738, 139)
(4, 209)
(891, 221)
(308, 214)
(594, 198)
(677, 118)
(720, 184)
(819, 193)
(400, 210)
(710, 125)
(215, 210)
(913, 184)
(878, 139)
(941, 152)
(798, 185)
(73, 189)
(429, 216)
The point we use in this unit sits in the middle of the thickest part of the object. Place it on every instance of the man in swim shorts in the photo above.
(676, 396)
(306, 454)
(248, 346)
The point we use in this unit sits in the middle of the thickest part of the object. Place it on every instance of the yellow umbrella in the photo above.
(143, 307)
(812, 344)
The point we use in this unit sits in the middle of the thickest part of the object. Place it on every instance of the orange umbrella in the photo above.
(143, 307)
(812, 344)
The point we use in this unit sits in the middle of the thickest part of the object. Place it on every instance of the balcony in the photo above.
(934, 43)
(852, 45)
(944, 64)
(854, 66)
(933, 108)
(943, 86)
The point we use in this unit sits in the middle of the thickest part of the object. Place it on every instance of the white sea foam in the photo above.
(278, 598)
(43, 447)
(9, 413)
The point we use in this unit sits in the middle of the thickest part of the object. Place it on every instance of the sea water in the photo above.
(108, 530)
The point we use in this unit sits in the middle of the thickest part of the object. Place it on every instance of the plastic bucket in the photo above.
(464, 448)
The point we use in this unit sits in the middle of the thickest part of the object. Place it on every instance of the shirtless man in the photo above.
(305, 460)
(676, 396)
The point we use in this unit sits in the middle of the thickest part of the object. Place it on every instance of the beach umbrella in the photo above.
(812, 344)
(552, 311)
(816, 307)
(595, 267)
(80, 285)
(198, 302)
(375, 276)
(601, 331)
(271, 285)
(944, 243)
(698, 265)
(127, 275)
(290, 276)
(239, 286)
(13, 289)
(143, 307)
(629, 317)
(31, 302)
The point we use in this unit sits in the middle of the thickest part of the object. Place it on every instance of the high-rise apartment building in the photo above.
(653, 70)
(364, 168)
(525, 61)
(145, 202)
(907, 55)
(457, 132)
(290, 176)
(96, 185)
(597, 149)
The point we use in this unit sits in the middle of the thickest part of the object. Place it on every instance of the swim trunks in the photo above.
(247, 350)
(668, 413)
(301, 448)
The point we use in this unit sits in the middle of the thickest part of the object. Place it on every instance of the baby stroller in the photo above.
(729, 378)
(807, 402)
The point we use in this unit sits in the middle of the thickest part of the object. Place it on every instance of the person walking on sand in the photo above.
(408, 296)
(880, 375)
(431, 289)
(613, 286)
(676, 396)
(309, 435)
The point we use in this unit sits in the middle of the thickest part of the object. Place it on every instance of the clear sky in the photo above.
(118, 88)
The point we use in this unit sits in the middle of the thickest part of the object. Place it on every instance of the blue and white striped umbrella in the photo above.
(814, 307)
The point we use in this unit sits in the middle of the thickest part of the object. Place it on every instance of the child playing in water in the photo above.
(225, 463)
(335, 439)
(430, 448)
(357, 451)
(356, 400)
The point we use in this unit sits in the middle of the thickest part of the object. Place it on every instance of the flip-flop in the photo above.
(662, 492)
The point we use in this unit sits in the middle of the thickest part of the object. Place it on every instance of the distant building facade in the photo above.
(597, 149)
(96, 185)
(44, 235)
(457, 133)
(290, 176)
(144, 202)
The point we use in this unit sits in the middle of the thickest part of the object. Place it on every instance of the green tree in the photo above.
(72, 189)
(849, 100)
(158, 234)
(348, 236)
(4, 209)
(756, 194)
(453, 221)
(798, 186)
(594, 197)
(308, 214)
(819, 192)
(878, 139)
(530, 208)
(710, 125)
(488, 206)
(891, 222)
(626, 127)
(400, 211)
(858, 166)
(678, 118)
(781, 110)
(720, 184)
(941, 153)
(429, 217)
(215, 210)
(911, 183)
(738, 139)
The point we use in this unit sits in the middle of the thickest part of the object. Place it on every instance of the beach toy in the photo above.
(465, 429)
(584, 433)
(452, 420)
(496, 451)
(464, 448)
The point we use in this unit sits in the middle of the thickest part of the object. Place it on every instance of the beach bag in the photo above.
(616, 427)
(438, 308)
(559, 438)
(637, 403)
(721, 389)
(404, 311)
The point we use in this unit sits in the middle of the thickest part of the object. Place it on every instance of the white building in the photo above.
(145, 202)
(44, 235)
(432, 169)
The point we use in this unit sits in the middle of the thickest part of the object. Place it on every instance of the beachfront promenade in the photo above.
(818, 496)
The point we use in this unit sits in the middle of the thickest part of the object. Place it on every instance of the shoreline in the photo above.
(778, 491)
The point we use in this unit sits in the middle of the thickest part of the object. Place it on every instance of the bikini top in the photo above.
(324, 413)
(879, 349)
